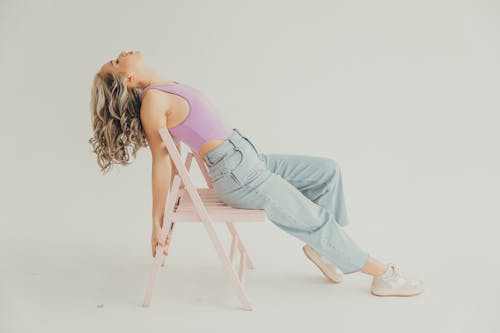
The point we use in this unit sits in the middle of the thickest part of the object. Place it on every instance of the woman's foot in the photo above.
(332, 272)
(394, 283)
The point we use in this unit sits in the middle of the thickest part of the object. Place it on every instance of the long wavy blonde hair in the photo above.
(115, 110)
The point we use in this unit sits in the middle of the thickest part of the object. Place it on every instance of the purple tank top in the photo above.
(203, 121)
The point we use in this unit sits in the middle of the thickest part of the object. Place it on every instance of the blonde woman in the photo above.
(302, 195)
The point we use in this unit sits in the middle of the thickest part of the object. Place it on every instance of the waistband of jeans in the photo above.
(234, 140)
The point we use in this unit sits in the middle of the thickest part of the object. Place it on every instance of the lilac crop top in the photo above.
(203, 121)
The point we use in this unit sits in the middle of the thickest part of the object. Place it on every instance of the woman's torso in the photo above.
(178, 112)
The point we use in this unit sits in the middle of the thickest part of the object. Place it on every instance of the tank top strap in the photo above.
(164, 87)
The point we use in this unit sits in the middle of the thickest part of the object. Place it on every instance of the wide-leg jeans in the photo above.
(303, 195)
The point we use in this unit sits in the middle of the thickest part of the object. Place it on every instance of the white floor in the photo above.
(84, 290)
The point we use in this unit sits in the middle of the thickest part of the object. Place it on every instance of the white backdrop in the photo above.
(403, 94)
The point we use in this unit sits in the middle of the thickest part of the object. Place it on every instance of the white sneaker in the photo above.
(332, 272)
(393, 283)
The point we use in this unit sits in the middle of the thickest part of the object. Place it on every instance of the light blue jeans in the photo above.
(302, 195)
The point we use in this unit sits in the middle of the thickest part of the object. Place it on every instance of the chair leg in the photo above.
(167, 227)
(171, 231)
(153, 276)
(241, 247)
(228, 266)
(243, 258)
(236, 278)
(237, 281)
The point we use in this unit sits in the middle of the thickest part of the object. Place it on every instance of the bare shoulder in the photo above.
(154, 99)
(153, 115)
(155, 104)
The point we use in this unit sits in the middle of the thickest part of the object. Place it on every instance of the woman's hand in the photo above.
(156, 239)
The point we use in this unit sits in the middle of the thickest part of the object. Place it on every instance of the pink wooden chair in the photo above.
(202, 205)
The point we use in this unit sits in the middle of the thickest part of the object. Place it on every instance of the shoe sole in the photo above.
(320, 268)
(398, 295)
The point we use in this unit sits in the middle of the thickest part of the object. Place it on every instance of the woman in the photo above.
(302, 195)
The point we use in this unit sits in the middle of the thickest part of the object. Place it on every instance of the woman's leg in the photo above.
(256, 187)
(246, 181)
(374, 267)
(319, 179)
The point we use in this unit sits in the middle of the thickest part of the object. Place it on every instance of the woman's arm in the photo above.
(154, 108)
(161, 181)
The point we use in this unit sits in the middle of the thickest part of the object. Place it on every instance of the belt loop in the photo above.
(207, 160)
(230, 139)
(237, 140)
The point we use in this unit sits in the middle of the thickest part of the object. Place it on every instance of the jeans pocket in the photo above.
(238, 166)
(226, 183)
(249, 168)
(235, 160)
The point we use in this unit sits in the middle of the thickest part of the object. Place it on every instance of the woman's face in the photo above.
(126, 63)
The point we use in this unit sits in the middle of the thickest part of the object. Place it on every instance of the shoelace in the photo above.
(394, 268)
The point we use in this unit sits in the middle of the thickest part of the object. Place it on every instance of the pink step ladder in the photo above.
(202, 205)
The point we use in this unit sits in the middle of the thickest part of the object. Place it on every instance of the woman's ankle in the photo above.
(374, 267)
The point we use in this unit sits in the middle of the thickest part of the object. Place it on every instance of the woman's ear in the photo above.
(129, 79)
